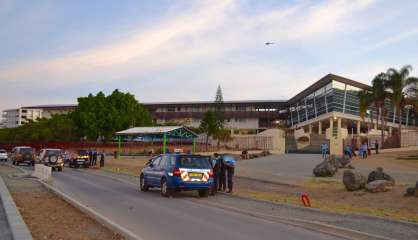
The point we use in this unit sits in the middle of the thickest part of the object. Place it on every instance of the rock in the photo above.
(413, 191)
(324, 169)
(378, 174)
(379, 186)
(342, 162)
(353, 180)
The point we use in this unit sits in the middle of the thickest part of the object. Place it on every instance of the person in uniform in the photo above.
(216, 167)
(102, 159)
(229, 163)
(222, 173)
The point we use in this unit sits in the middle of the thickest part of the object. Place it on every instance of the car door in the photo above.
(160, 169)
(147, 171)
(152, 174)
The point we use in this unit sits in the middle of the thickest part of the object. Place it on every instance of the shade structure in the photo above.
(163, 132)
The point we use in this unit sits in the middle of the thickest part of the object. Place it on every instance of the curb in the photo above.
(93, 214)
(88, 211)
(17, 226)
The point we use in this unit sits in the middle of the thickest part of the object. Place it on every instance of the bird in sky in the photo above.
(269, 43)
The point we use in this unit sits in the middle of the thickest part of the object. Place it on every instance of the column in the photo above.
(320, 128)
(358, 127)
(375, 126)
(339, 127)
(310, 129)
(390, 131)
(331, 126)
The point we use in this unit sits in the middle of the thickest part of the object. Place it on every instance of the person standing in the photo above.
(90, 152)
(222, 173)
(324, 150)
(94, 158)
(376, 147)
(102, 159)
(216, 167)
(229, 163)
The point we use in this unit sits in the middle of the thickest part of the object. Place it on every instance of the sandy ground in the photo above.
(50, 217)
(325, 194)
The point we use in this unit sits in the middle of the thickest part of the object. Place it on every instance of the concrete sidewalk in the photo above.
(287, 168)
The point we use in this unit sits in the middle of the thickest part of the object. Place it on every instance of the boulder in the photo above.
(324, 169)
(342, 162)
(353, 180)
(379, 186)
(413, 191)
(378, 174)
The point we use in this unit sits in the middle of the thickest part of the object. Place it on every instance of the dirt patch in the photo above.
(127, 165)
(48, 216)
(332, 196)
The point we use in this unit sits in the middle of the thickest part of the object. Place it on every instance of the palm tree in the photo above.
(379, 95)
(401, 86)
(365, 100)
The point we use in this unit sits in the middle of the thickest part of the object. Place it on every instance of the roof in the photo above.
(324, 81)
(224, 102)
(175, 131)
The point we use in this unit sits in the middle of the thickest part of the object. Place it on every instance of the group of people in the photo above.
(93, 155)
(363, 150)
(223, 172)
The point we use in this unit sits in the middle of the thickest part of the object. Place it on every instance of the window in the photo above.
(163, 162)
(156, 161)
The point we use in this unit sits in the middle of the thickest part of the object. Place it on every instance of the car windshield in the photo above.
(2, 151)
(26, 150)
(53, 152)
(194, 162)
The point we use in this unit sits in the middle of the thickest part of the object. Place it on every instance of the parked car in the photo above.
(178, 172)
(23, 154)
(51, 158)
(80, 159)
(3, 155)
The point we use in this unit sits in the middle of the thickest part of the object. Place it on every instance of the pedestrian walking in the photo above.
(229, 163)
(102, 159)
(376, 147)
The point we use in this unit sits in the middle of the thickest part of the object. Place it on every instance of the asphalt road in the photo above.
(151, 216)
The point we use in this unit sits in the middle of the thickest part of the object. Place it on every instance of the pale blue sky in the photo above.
(51, 52)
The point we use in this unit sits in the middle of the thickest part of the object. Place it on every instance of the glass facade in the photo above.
(338, 97)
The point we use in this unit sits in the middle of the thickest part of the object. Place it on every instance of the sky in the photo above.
(52, 52)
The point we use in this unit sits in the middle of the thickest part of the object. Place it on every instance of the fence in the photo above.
(42, 172)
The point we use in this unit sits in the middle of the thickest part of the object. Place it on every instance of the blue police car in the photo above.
(178, 172)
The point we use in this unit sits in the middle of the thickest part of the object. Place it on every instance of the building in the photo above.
(330, 103)
(243, 115)
(16, 117)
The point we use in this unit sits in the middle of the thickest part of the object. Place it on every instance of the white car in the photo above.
(3, 155)
(52, 158)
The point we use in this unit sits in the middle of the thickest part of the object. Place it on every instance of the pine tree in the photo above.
(219, 98)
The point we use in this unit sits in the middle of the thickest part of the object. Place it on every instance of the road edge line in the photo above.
(93, 214)
(17, 225)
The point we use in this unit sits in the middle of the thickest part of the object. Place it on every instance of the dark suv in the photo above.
(23, 155)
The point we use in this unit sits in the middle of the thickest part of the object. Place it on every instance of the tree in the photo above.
(401, 85)
(222, 135)
(365, 100)
(210, 125)
(101, 116)
(379, 96)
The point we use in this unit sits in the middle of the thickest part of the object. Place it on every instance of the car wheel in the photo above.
(142, 184)
(165, 191)
(17, 163)
(59, 169)
(13, 163)
(203, 193)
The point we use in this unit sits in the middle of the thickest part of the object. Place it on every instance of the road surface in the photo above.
(151, 216)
